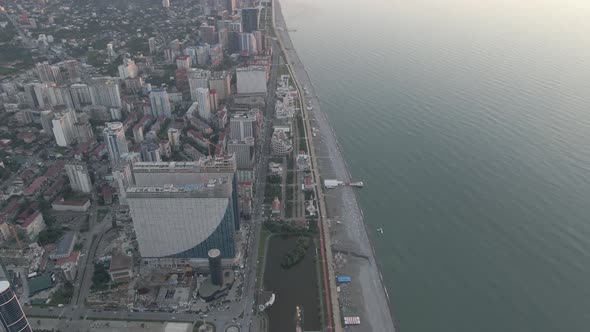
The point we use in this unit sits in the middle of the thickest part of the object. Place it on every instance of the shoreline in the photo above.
(354, 255)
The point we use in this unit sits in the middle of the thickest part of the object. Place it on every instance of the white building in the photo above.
(198, 78)
(244, 151)
(166, 3)
(251, 80)
(152, 45)
(204, 106)
(174, 137)
(128, 69)
(33, 225)
(220, 81)
(80, 95)
(243, 124)
(63, 127)
(280, 143)
(111, 50)
(160, 103)
(123, 179)
(79, 177)
(203, 54)
(248, 44)
(116, 143)
(105, 91)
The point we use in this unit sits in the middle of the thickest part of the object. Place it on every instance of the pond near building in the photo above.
(296, 286)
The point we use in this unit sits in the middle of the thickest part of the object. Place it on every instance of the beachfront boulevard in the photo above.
(348, 248)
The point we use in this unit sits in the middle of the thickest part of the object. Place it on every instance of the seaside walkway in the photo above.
(334, 319)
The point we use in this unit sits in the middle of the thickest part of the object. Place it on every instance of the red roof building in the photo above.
(35, 186)
(55, 169)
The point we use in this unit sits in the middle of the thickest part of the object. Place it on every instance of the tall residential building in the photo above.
(128, 69)
(33, 100)
(153, 46)
(73, 69)
(111, 51)
(208, 34)
(166, 3)
(105, 91)
(204, 105)
(223, 38)
(150, 152)
(230, 5)
(47, 72)
(248, 44)
(160, 103)
(220, 81)
(191, 52)
(174, 137)
(124, 178)
(63, 127)
(12, 316)
(203, 54)
(79, 177)
(83, 132)
(46, 122)
(243, 125)
(213, 100)
(80, 95)
(251, 79)
(198, 78)
(259, 37)
(183, 62)
(116, 143)
(250, 17)
(244, 151)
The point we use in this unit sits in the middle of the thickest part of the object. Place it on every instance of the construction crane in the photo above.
(15, 234)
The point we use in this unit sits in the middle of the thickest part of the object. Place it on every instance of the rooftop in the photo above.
(40, 283)
(121, 262)
(65, 243)
(215, 187)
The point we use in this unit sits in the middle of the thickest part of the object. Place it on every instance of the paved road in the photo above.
(261, 172)
(93, 237)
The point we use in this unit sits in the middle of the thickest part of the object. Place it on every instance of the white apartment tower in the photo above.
(152, 45)
(243, 124)
(160, 103)
(174, 137)
(204, 106)
(63, 127)
(105, 91)
(79, 177)
(198, 78)
(128, 69)
(114, 138)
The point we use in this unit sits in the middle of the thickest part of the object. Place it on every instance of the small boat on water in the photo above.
(380, 230)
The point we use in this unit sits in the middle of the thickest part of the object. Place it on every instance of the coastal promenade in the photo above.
(366, 295)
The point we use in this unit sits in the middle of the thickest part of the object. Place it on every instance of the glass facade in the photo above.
(222, 239)
(12, 316)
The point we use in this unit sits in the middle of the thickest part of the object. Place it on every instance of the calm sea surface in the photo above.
(469, 122)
